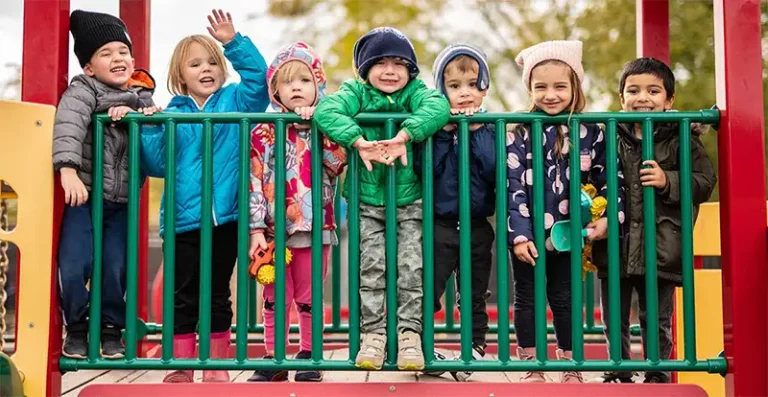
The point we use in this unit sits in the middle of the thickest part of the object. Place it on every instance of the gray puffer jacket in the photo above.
(73, 132)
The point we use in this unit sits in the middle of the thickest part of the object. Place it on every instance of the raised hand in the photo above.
(221, 27)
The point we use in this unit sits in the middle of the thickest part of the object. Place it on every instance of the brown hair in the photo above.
(577, 105)
(462, 63)
(176, 84)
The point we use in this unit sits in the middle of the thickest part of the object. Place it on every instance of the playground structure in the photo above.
(742, 222)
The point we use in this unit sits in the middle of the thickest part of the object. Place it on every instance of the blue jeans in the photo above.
(75, 260)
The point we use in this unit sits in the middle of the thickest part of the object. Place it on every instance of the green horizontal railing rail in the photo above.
(246, 288)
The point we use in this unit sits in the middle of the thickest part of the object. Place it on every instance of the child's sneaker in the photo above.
(478, 352)
(372, 353)
(76, 341)
(409, 354)
(267, 375)
(307, 376)
(111, 342)
(438, 356)
(530, 376)
(568, 376)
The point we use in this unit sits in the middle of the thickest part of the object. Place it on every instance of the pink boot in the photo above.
(219, 349)
(183, 347)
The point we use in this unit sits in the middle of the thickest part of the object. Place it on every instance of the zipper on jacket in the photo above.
(118, 179)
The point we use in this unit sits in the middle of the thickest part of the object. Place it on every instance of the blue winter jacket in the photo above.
(482, 172)
(556, 178)
(250, 95)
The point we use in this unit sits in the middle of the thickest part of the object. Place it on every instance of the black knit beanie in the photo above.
(384, 42)
(91, 30)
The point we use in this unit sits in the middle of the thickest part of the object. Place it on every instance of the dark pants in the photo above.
(75, 259)
(558, 295)
(666, 306)
(447, 261)
(187, 293)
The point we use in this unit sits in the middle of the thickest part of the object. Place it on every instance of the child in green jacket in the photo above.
(386, 65)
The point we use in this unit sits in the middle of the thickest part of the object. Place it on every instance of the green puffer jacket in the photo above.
(335, 117)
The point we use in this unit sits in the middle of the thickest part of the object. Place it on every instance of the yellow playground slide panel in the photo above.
(26, 132)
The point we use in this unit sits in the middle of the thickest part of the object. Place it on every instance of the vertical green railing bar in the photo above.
(280, 298)
(577, 305)
(253, 290)
(450, 301)
(502, 247)
(353, 251)
(428, 246)
(537, 213)
(243, 240)
(206, 237)
(686, 218)
(649, 234)
(391, 251)
(465, 252)
(169, 240)
(589, 302)
(317, 244)
(336, 261)
(97, 218)
(132, 254)
(614, 325)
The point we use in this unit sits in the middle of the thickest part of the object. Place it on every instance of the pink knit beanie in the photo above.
(568, 51)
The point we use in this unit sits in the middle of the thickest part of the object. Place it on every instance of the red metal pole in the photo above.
(44, 78)
(652, 18)
(741, 155)
(136, 15)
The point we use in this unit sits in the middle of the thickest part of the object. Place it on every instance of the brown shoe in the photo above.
(568, 376)
(528, 354)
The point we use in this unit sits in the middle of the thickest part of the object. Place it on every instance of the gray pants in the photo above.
(666, 306)
(373, 269)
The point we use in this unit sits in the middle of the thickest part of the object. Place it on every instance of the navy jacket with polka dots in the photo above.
(556, 177)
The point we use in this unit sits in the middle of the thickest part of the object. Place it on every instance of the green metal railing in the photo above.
(246, 291)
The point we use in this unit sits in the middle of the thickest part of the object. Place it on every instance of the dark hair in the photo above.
(650, 66)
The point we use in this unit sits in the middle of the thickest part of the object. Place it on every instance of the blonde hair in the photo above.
(463, 64)
(287, 72)
(176, 84)
(577, 105)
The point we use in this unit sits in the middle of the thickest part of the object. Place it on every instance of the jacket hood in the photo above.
(300, 52)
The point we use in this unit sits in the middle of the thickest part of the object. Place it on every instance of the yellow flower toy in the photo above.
(262, 267)
(597, 209)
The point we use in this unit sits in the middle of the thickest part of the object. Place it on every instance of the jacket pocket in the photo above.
(669, 244)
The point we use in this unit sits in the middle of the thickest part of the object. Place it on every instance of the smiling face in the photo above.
(551, 87)
(645, 93)
(112, 64)
(294, 85)
(461, 84)
(202, 73)
(389, 75)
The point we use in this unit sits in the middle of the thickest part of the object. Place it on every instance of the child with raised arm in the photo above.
(296, 84)
(386, 66)
(196, 76)
(109, 83)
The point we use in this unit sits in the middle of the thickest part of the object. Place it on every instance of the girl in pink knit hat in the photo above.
(553, 75)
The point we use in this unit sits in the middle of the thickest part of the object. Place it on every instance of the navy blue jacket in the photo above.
(556, 178)
(482, 172)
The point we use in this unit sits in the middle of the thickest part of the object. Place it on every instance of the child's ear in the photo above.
(88, 70)
(669, 102)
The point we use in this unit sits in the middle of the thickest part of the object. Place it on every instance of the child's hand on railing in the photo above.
(653, 176)
(221, 27)
(148, 111)
(257, 241)
(465, 111)
(369, 151)
(599, 229)
(305, 113)
(75, 193)
(526, 252)
(395, 148)
(116, 113)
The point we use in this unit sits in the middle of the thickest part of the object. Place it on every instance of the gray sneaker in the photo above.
(478, 352)
(438, 357)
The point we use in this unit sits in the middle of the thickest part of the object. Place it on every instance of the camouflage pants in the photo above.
(373, 269)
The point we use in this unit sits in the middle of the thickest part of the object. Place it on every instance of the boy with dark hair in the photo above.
(648, 85)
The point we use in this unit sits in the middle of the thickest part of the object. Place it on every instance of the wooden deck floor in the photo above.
(74, 382)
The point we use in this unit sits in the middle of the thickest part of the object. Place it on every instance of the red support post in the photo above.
(136, 15)
(44, 78)
(652, 18)
(741, 146)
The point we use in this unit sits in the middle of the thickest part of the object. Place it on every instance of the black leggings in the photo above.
(187, 292)
(558, 295)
